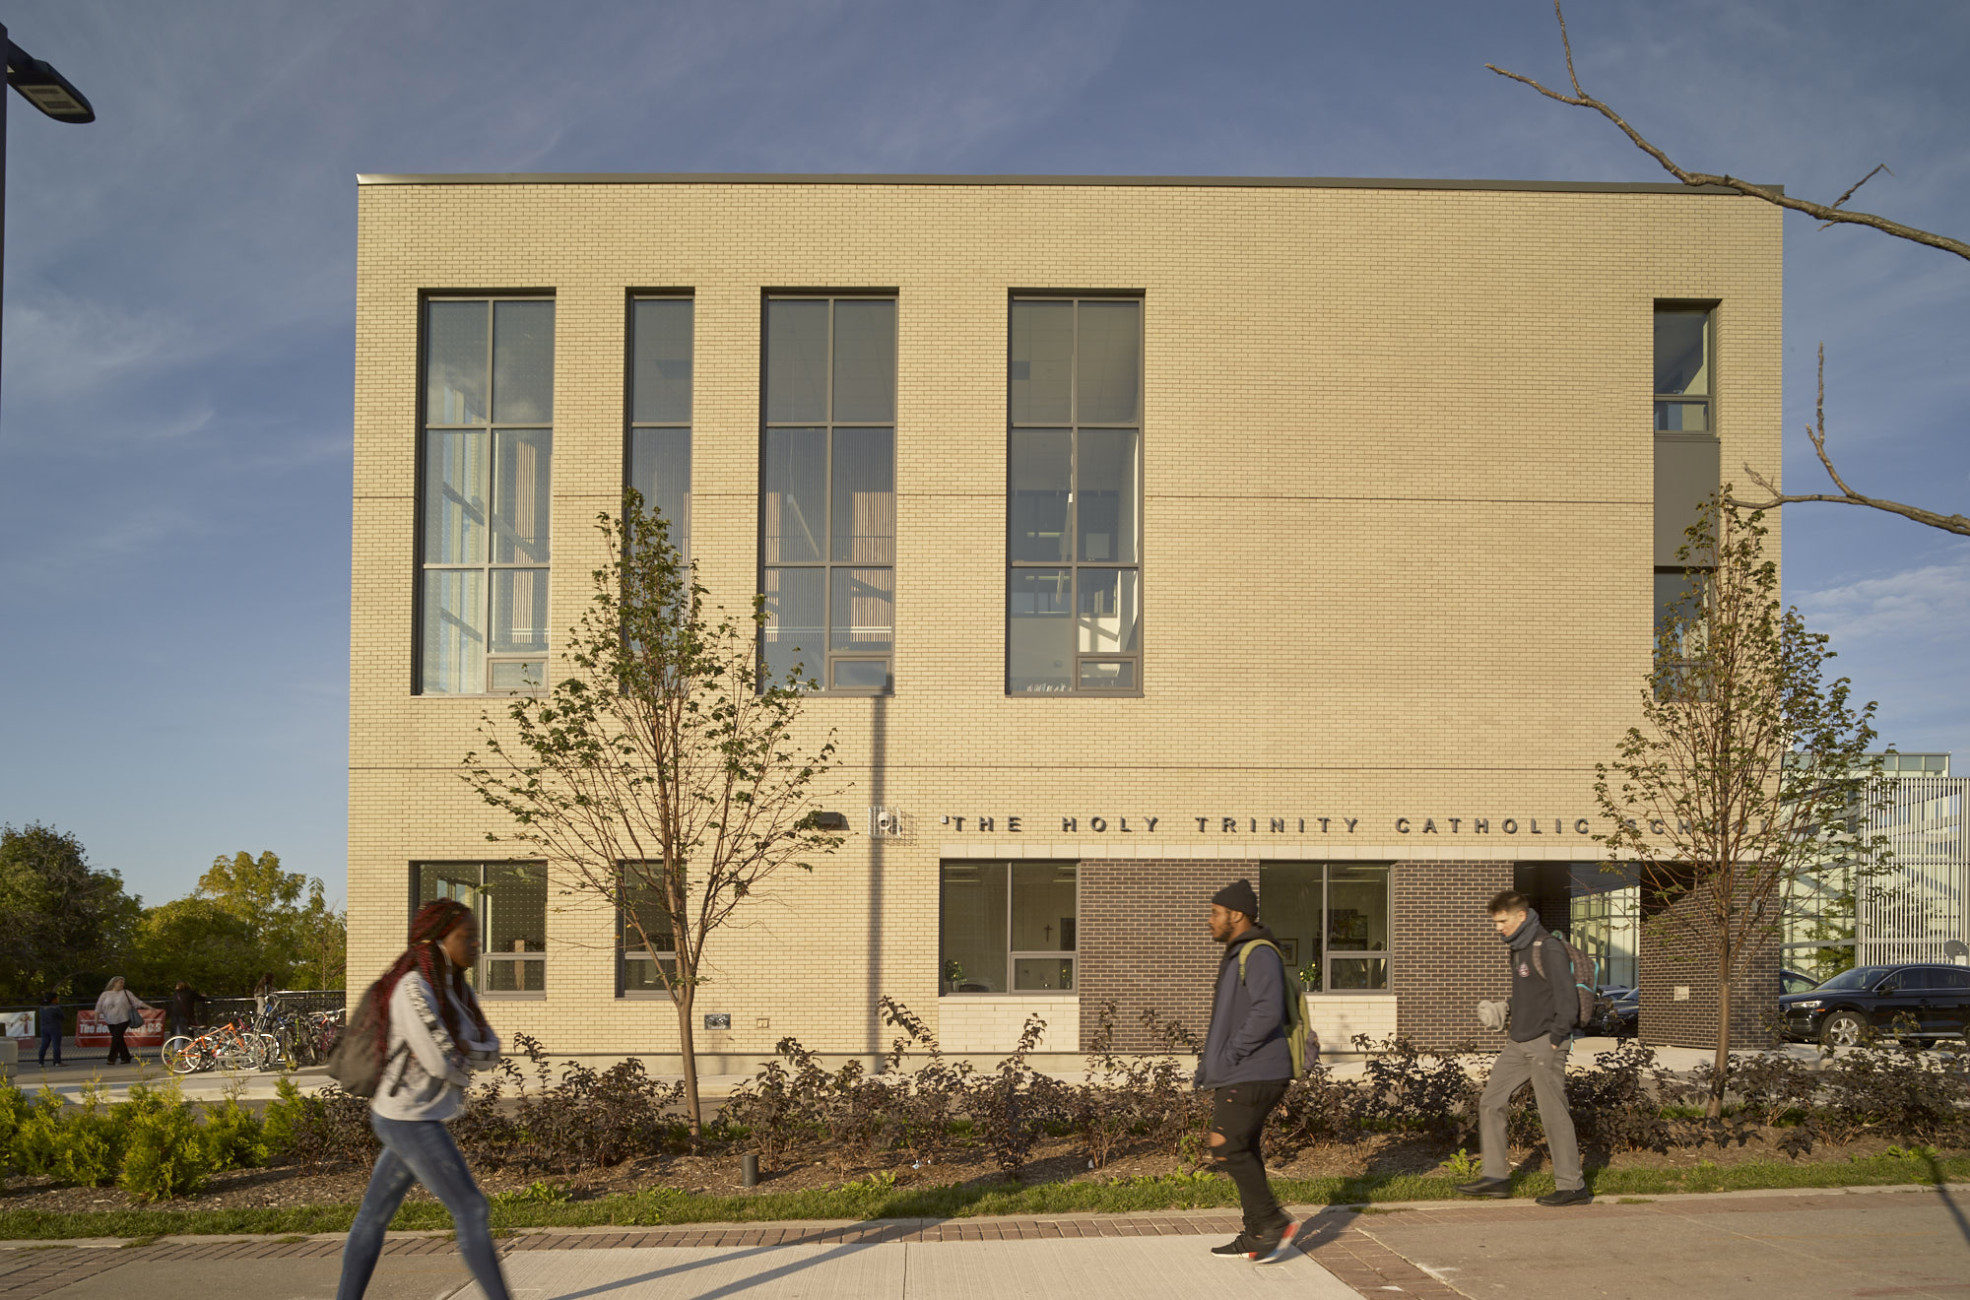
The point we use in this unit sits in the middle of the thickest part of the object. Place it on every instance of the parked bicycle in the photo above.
(231, 1046)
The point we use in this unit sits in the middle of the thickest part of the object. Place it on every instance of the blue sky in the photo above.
(175, 438)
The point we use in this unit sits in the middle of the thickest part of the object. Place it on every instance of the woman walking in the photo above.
(116, 1008)
(432, 1033)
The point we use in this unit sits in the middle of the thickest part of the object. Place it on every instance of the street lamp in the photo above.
(46, 89)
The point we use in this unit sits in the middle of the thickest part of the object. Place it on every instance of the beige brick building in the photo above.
(1148, 533)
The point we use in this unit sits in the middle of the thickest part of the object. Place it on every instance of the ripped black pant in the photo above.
(1238, 1112)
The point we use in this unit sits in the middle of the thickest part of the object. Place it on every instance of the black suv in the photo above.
(1935, 999)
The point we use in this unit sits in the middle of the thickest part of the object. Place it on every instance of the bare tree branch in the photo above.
(1816, 431)
(1828, 214)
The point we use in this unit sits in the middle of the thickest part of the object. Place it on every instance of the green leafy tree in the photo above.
(65, 923)
(257, 918)
(198, 940)
(1749, 771)
(664, 776)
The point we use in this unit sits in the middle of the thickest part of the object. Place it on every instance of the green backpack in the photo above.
(1295, 1007)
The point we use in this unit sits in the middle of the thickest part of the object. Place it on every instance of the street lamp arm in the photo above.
(45, 88)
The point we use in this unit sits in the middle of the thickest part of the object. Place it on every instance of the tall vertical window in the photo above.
(827, 501)
(509, 900)
(484, 493)
(1687, 457)
(1074, 464)
(659, 453)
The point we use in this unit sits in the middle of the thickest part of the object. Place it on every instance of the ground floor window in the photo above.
(637, 962)
(1007, 926)
(510, 901)
(1332, 921)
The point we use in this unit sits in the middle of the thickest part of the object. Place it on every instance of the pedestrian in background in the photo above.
(263, 990)
(48, 1024)
(432, 1032)
(1247, 1066)
(1540, 1022)
(117, 1007)
(184, 1008)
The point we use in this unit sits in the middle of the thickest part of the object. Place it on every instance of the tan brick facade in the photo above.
(1396, 528)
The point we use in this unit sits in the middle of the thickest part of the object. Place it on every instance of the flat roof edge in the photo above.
(932, 178)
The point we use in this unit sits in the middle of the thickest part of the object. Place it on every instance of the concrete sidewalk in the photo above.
(1903, 1242)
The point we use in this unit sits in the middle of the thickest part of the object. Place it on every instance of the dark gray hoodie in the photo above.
(1541, 1004)
(1247, 1041)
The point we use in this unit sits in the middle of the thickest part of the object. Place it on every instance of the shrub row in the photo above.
(154, 1145)
(923, 1108)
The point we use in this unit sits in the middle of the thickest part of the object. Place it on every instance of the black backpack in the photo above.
(356, 1062)
(1583, 978)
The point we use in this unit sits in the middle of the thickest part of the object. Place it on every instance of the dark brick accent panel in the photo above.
(1443, 954)
(1143, 943)
(1678, 947)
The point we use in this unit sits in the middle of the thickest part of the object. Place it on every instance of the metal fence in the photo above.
(1913, 911)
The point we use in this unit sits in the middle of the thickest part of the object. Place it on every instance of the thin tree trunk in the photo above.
(1721, 1063)
(687, 1047)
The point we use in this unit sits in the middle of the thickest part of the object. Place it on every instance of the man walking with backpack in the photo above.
(1543, 1014)
(1247, 1065)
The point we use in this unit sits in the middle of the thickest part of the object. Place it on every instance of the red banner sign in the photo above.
(90, 1032)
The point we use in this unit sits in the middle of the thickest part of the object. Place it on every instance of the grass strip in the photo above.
(876, 1199)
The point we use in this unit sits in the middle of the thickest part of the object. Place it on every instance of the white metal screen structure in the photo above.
(1912, 911)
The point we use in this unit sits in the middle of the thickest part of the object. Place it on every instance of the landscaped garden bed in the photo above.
(929, 1137)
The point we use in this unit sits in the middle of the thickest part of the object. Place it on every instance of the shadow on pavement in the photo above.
(873, 1236)
(1949, 1202)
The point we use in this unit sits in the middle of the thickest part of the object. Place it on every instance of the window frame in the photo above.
(1074, 564)
(680, 533)
(420, 484)
(1329, 955)
(823, 672)
(1015, 955)
(481, 970)
(656, 956)
(1708, 401)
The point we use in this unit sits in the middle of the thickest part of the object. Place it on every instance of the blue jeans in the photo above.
(420, 1150)
(51, 1038)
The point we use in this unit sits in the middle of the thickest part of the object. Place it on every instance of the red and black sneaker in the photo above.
(1271, 1247)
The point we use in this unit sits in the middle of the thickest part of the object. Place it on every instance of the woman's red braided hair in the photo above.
(433, 922)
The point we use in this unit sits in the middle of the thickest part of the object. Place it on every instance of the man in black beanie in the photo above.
(1247, 1066)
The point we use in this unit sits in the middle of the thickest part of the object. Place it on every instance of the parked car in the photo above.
(1617, 1012)
(1794, 981)
(1915, 1000)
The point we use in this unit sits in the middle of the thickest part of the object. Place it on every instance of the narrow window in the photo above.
(509, 899)
(1687, 468)
(485, 490)
(1074, 496)
(1008, 926)
(658, 455)
(828, 492)
(637, 961)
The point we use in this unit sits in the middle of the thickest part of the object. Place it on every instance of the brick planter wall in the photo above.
(1143, 942)
(1677, 949)
(1443, 955)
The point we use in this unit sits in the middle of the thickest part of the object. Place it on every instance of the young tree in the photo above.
(1749, 771)
(662, 777)
(1836, 213)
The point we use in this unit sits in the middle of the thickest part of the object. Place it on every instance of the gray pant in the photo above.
(1545, 1065)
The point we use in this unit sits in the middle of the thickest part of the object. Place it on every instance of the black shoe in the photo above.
(1271, 1247)
(1494, 1187)
(1239, 1247)
(1575, 1196)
